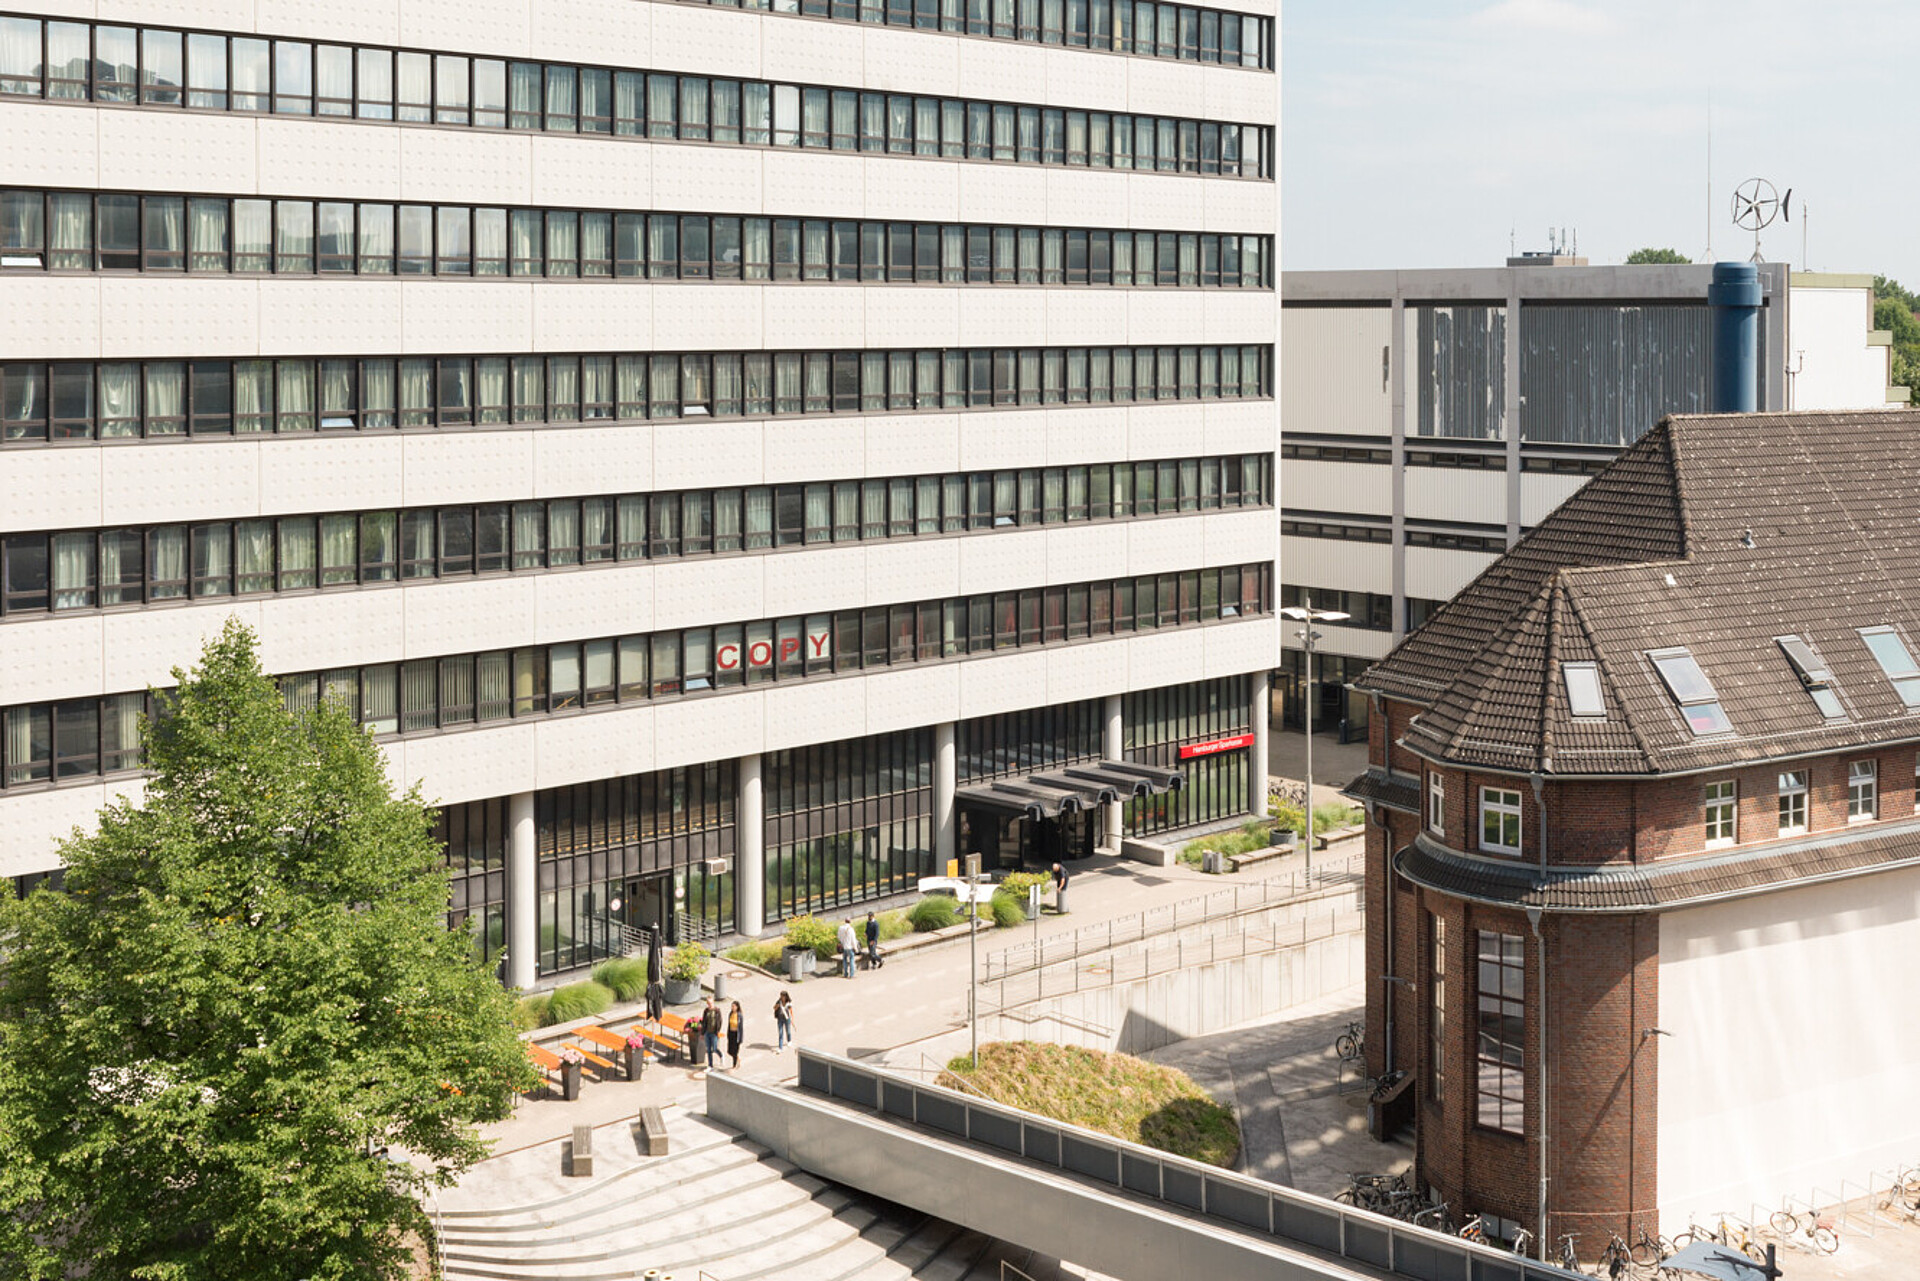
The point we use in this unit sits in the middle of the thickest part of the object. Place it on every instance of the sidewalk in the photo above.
(917, 995)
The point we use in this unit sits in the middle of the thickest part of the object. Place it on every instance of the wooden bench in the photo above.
(652, 1132)
(581, 1164)
(604, 1064)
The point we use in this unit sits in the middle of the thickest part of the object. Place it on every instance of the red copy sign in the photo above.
(1192, 750)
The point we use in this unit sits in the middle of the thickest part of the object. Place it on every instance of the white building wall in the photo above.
(1334, 374)
(1789, 1067)
(1835, 358)
(1364, 489)
(1456, 494)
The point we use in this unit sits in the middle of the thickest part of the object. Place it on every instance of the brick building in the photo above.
(1643, 811)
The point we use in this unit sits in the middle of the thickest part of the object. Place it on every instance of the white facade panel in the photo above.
(721, 590)
(1436, 573)
(693, 454)
(830, 578)
(910, 61)
(704, 729)
(1004, 193)
(1089, 434)
(469, 766)
(594, 460)
(143, 648)
(482, 166)
(51, 488)
(909, 698)
(51, 316)
(1364, 489)
(809, 316)
(1083, 553)
(1238, 537)
(1358, 567)
(913, 445)
(592, 173)
(1177, 428)
(1004, 438)
(1246, 207)
(710, 179)
(1075, 80)
(918, 188)
(167, 151)
(1092, 670)
(1334, 372)
(1003, 561)
(1822, 970)
(1085, 318)
(1246, 97)
(577, 315)
(373, 21)
(597, 600)
(1836, 362)
(1004, 70)
(297, 158)
(344, 318)
(1086, 198)
(498, 27)
(907, 317)
(467, 615)
(307, 632)
(796, 711)
(1240, 647)
(1167, 316)
(1453, 493)
(1166, 545)
(915, 571)
(140, 315)
(54, 146)
(1541, 492)
(51, 658)
(1242, 427)
(593, 31)
(150, 486)
(326, 475)
(468, 467)
(1172, 656)
(688, 316)
(815, 449)
(600, 744)
(1004, 683)
(822, 184)
(1353, 642)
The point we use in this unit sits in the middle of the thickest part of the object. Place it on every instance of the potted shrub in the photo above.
(809, 941)
(685, 965)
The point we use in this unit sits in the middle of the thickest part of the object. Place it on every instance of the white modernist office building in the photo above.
(734, 460)
(1431, 417)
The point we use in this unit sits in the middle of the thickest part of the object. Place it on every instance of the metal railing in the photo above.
(1247, 1204)
(1025, 987)
(1236, 900)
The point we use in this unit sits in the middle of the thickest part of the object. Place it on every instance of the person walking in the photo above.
(873, 942)
(710, 1029)
(783, 1020)
(736, 1033)
(1059, 890)
(848, 948)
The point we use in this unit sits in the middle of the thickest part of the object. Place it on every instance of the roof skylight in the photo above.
(1691, 690)
(1813, 673)
(1584, 697)
(1895, 661)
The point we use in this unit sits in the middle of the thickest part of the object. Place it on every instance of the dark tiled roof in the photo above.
(1624, 887)
(1652, 553)
(1395, 791)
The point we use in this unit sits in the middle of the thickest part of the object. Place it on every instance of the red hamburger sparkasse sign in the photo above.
(1216, 745)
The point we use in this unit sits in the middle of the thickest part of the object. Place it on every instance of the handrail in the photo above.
(1006, 1267)
(1166, 919)
(1223, 1196)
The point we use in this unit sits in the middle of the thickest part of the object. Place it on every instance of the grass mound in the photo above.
(1115, 1094)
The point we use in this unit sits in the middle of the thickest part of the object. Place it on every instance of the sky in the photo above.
(1439, 134)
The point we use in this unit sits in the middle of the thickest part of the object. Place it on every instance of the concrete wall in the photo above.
(1834, 360)
(1790, 1064)
(1144, 1015)
(1016, 1203)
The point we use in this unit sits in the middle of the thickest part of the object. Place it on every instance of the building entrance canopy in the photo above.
(1075, 788)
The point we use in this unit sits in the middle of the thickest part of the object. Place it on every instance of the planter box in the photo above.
(569, 1081)
(682, 991)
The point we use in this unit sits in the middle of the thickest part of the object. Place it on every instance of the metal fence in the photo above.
(1283, 1214)
(1025, 987)
(1233, 901)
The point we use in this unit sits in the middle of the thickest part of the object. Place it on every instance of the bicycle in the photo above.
(1617, 1258)
(1568, 1258)
(1433, 1216)
(1735, 1235)
(1472, 1230)
(1904, 1195)
(1522, 1239)
(1817, 1228)
(1649, 1250)
(1352, 1043)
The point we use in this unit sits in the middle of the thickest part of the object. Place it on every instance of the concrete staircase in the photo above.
(719, 1208)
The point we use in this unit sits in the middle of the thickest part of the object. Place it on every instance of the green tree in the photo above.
(248, 985)
(1893, 311)
(1642, 257)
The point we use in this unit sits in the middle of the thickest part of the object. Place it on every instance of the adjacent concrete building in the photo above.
(1430, 418)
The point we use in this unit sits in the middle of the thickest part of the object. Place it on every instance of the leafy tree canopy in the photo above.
(1893, 310)
(248, 985)
(1641, 257)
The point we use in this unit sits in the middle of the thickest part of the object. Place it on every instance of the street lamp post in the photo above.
(1306, 613)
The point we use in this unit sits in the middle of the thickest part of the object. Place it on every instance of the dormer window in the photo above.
(1896, 661)
(1584, 697)
(1691, 690)
(1813, 673)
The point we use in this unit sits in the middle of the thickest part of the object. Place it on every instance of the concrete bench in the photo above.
(581, 1165)
(653, 1132)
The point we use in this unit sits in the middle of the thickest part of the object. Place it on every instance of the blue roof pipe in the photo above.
(1734, 300)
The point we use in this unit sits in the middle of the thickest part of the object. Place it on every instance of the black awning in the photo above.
(1069, 790)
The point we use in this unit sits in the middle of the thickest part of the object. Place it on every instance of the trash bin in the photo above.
(794, 965)
(719, 988)
(1210, 861)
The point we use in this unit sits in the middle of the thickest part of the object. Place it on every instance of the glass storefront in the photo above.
(848, 822)
(1160, 722)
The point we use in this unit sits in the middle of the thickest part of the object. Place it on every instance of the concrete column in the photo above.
(523, 893)
(1257, 765)
(750, 848)
(1113, 747)
(946, 823)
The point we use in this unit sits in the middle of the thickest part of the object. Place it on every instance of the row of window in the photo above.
(1444, 459)
(57, 741)
(1117, 26)
(1490, 544)
(124, 399)
(87, 569)
(158, 67)
(1500, 808)
(100, 231)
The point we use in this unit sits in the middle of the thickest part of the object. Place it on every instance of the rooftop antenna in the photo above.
(1709, 254)
(1756, 205)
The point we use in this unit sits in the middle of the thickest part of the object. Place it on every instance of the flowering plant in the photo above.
(568, 1054)
(635, 1041)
